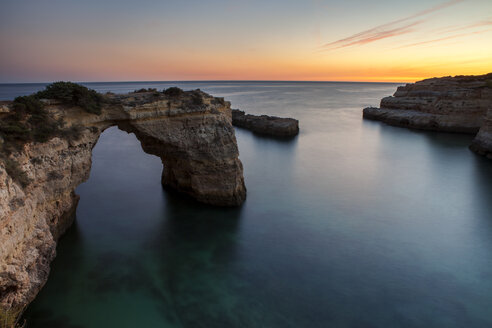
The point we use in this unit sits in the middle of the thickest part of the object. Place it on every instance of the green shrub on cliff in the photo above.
(73, 94)
(196, 99)
(14, 131)
(11, 318)
(173, 92)
(29, 105)
(29, 121)
(145, 90)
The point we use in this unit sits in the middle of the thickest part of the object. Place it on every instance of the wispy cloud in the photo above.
(391, 29)
(443, 39)
(481, 23)
(379, 35)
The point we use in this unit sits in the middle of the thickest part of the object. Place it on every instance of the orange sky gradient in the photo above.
(299, 41)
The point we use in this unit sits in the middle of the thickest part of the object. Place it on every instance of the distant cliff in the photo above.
(460, 104)
(46, 147)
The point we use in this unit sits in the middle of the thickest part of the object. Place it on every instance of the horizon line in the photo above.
(194, 81)
(206, 80)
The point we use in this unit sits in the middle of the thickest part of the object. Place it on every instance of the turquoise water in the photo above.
(351, 224)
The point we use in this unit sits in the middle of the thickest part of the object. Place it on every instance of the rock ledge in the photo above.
(266, 125)
(461, 104)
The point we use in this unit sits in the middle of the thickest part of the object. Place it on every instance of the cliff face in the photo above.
(32, 218)
(450, 104)
(196, 143)
(482, 144)
(192, 133)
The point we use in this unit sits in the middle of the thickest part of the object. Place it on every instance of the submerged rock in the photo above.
(459, 104)
(267, 125)
(191, 132)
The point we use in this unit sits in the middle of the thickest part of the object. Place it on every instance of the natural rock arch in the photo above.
(199, 156)
(192, 134)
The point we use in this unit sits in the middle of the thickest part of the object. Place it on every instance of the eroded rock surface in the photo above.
(192, 134)
(451, 104)
(267, 125)
(32, 218)
(482, 144)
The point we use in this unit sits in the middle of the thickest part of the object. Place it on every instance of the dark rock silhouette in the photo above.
(266, 125)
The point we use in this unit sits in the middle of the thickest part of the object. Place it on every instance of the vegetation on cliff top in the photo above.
(73, 94)
(195, 99)
(29, 121)
(173, 92)
(11, 318)
(145, 90)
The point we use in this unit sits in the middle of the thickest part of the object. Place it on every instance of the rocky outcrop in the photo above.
(32, 218)
(450, 104)
(192, 134)
(424, 121)
(196, 143)
(482, 144)
(267, 125)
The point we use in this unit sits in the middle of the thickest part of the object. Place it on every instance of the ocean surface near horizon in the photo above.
(351, 224)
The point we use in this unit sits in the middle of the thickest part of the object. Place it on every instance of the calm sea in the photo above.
(351, 224)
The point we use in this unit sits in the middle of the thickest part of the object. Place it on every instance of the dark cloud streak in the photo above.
(380, 35)
(387, 30)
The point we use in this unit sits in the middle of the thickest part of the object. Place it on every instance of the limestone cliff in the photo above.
(191, 132)
(32, 218)
(482, 144)
(450, 104)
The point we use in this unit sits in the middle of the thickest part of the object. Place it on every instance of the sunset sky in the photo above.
(321, 40)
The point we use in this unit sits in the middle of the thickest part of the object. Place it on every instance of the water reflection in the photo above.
(482, 195)
(197, 247)
(278, 139)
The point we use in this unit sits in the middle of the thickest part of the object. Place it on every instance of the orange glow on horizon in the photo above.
(425, 40)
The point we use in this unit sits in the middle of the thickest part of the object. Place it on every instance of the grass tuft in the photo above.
(11, 318)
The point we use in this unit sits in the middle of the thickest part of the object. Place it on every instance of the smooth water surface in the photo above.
(351, 224)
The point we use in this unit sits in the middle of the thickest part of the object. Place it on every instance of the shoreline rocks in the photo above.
(461, 104)
(266, 125)
(423, 121)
